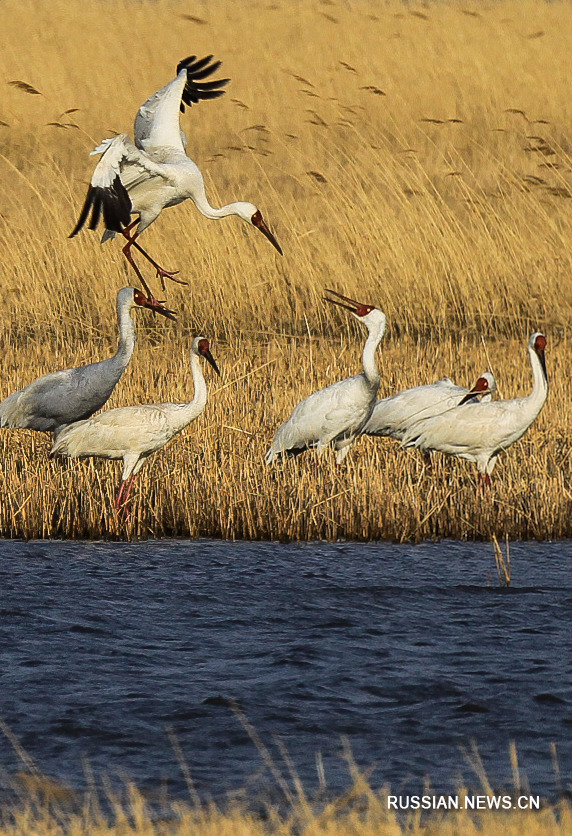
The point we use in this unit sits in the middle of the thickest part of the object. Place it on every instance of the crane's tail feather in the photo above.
(115, 203)
(195, 88)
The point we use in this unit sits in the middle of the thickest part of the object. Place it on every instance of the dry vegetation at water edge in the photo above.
(412, 156)
(48, 809)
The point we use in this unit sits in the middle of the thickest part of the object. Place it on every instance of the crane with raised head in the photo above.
(336, 415)
(146, 176)
(132, 433)
(479, 432)
(72, 395)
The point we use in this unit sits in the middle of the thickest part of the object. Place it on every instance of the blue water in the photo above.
(408, 652)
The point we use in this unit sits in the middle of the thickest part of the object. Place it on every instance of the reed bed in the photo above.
(50, 809)
(416, 157)
(212, 480)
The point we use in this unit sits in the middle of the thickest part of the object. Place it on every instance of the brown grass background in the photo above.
(414, 156)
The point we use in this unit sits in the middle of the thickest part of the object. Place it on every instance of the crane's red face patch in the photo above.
(482, 385)
(357, 308)
(363, 310)
(203, 347)
(139, 298)
(540, 344)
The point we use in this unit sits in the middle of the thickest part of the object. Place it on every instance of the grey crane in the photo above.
(74, 394)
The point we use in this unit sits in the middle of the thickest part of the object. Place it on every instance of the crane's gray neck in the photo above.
(126, 338)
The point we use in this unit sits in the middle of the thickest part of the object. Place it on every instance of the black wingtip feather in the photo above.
(115, 204)
(96, 211)
(195, 88)
(84, 213)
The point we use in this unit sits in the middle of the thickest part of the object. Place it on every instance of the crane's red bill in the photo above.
(357, 308)
(259, 223)
(204, 351)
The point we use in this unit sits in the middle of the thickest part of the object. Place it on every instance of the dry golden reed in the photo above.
(416, 157)
(50, 809)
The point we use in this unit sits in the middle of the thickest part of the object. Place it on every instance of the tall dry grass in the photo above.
(413, 156)
(49, 809)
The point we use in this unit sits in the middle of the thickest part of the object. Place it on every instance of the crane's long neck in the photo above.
(189, 411)
(199, 198)
(536, 399)
(126, 338)
(368, 357)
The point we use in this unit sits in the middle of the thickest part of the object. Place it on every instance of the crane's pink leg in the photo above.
(128, 491)
(483, 483)
(119, 497)
(122, 498)
(127, 253)
(161, 272)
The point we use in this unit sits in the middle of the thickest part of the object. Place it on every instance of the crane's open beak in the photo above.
(259, 223)
(480, 387)
(357, 308)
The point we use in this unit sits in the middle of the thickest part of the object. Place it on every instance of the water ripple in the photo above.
(410, 652)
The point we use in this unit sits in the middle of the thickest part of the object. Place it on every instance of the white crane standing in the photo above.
(480, 431)
(132, 433)
(145, 177)
(74, 394)
(336, 415)
(393, 416)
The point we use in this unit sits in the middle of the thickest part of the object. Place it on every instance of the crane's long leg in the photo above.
(128, 491)
(161, 272)
(119, 497)
(483, 483)
(122, 498)
(127, 253)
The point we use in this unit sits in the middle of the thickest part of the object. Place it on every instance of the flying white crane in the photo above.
(145, 177)
(335, 415)
(132, 433)
(74, 394)
(480, 431)
(394, 416)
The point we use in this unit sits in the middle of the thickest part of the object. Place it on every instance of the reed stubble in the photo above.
(401, 156)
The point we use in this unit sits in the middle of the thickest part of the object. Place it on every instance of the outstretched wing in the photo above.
(120, 164)
(157, 121)
(195, 88)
